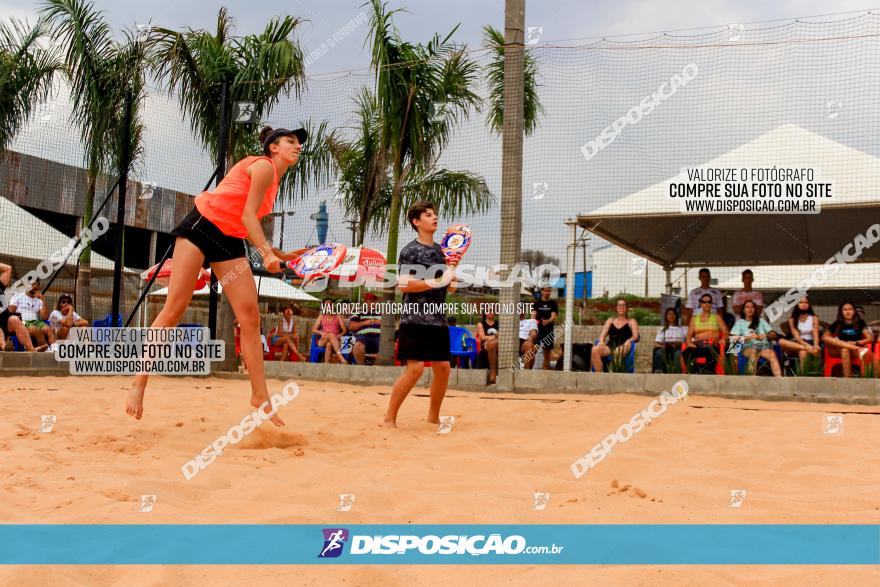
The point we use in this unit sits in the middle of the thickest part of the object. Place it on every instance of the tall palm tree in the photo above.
(100, 71)
(258, 68)
(493, 40)
(365, 180)
(413, 80)
(26, 75)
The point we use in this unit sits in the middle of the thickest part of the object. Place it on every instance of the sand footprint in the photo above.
(262, 439)
(627, 489)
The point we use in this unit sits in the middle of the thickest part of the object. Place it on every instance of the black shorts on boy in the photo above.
(424, 334)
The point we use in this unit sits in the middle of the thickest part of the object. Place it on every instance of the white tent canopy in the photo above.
(268, 287)
(27, 237)
(650, 224)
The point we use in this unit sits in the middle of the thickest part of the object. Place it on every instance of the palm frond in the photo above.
(316, 164)
(455, 193)
(99, 71)
(493, 40)
(26, 75)
(259, 68)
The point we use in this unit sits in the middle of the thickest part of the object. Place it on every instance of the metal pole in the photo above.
(586, 267)
(281, 245)
(213, 296)
(511, 183)
(570, 252)
(124, 163)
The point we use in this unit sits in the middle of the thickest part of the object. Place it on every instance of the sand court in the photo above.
(96, 463)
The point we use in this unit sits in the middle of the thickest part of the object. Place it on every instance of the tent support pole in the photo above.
(569, 295)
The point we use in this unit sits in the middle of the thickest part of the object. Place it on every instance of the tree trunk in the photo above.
(83, 301)
(511, 184)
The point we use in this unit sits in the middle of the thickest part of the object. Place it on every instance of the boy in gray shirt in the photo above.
(423, 335)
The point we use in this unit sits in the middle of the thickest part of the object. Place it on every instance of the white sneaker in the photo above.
(52, 348)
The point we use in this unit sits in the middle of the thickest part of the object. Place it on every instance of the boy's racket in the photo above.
(456, 240)
(318, 261)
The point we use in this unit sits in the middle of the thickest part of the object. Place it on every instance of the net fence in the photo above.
(622, 119)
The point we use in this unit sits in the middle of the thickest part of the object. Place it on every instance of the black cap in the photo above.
(299, 133)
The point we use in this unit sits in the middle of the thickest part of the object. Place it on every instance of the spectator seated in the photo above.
(629, 361)
(762, 366)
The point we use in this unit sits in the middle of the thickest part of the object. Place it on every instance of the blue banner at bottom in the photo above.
(704, 544)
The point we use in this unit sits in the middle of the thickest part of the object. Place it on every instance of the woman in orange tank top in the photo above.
(212, 235)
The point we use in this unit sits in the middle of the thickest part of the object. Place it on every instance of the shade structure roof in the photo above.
(650, 224)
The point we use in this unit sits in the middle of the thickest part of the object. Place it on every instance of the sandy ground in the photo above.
(96, 463)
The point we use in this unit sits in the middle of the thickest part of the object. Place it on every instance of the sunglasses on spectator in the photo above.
(705, 301)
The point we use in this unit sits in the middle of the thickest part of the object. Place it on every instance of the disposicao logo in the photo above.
(334, 540)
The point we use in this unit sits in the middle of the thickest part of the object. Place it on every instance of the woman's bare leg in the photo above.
(187, 260)
(492, 352)
(242, 295)
(771, 357)
(598, 353)
(847, 362)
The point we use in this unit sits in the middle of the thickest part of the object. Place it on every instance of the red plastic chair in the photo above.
(719, 367)
(830, 361)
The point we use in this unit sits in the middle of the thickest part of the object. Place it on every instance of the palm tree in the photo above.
(493, 40)
(258, 68)
(362, 170)
(413, 81)
(26, 75)
(100, 71)
(365, 179)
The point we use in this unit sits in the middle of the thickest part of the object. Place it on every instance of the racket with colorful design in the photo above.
(318, 261)
(456, 240)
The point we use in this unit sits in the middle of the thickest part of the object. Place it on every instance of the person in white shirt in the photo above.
(803, 332)
(747, 293)
(10, 322)
(667, 344)
(64, 317)
(693, 304)
(528, 337)
(32, 308)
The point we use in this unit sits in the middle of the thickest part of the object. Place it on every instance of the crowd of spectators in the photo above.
(703, 336)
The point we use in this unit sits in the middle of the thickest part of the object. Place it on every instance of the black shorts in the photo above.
(204, 234)
(370, 341)
(421, 342)
(545, 339)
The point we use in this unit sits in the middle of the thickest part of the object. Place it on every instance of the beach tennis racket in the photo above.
(456, 240)
(318, 261)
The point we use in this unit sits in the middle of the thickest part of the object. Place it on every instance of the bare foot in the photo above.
(389, 423)
(39, 349)
(257, 401)
(134, 404)
(433, 419)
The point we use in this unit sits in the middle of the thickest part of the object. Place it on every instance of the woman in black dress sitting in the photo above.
(617, 337)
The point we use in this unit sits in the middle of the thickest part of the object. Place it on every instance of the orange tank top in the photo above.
(225, 205)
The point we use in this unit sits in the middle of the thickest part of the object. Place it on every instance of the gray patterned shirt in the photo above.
(417, 254)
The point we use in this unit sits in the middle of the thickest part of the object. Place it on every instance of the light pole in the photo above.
(282, 214)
